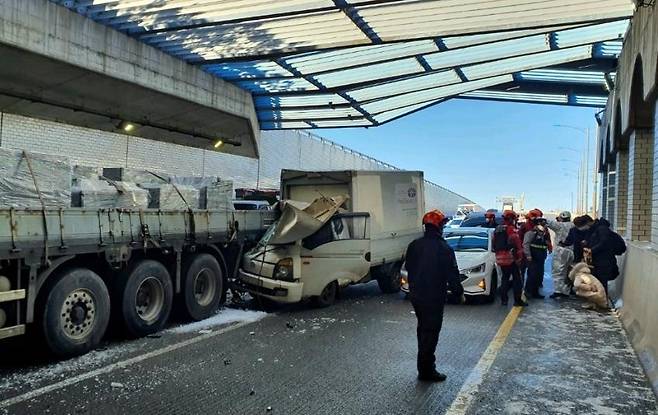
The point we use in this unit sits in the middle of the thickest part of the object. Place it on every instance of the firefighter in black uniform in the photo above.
(432, 268)
(490, 219)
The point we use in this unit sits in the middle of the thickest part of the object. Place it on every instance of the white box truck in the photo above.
(366, 239)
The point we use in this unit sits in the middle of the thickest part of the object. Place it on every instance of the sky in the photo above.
(485, 149)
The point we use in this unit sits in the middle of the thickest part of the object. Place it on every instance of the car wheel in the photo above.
(328, 295)
(493, 289)
(390, 279)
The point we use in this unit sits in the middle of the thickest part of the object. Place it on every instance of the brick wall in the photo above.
(640, 184)
(279, 150)
(621, 191)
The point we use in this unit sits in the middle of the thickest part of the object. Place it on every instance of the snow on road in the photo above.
(224, 316)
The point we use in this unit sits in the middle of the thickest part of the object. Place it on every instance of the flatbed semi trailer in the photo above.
(65, 273)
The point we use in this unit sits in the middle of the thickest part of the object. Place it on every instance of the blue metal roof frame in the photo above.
(347, 63)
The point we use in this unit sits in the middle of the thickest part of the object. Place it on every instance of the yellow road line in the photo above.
(468, 392)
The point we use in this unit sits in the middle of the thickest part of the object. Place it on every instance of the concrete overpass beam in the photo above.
(61, 66)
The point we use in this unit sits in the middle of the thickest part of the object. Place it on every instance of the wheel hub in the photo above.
(149, 299)
(204, 287)
(78, 314)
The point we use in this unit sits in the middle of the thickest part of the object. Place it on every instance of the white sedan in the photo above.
(476, 261)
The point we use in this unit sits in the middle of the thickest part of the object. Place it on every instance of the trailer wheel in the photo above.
(75, 313)
(203, 287)
(390, 279)
(328, 295)
(144, 298)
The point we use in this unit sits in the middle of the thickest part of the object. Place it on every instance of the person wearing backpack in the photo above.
(509, 256)
(536, 247)
(604, 244)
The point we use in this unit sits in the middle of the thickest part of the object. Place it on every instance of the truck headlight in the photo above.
(283, 270)
(475, 270)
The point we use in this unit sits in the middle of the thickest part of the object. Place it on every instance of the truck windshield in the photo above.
(468, 241)
(268, 234)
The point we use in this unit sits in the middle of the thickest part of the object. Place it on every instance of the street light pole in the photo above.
(583, 178)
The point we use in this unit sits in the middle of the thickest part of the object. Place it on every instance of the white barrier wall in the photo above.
(279, 150)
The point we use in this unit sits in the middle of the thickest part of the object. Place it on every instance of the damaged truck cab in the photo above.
(320, 243)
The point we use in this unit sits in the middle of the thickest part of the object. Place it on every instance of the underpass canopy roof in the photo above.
(344, 63)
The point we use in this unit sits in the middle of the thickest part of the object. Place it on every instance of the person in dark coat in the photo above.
(432, 268)
(578, 236)
(490, 219)
(599, 242)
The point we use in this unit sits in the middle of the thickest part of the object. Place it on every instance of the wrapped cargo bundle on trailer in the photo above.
(21, 173)
(173, 197)
(99, 194)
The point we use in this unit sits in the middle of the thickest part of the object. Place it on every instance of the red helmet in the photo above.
(435, 218)
(510, 215)
(534, 213)
(490, 214)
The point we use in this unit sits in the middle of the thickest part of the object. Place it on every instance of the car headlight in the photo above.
(475, 270)
(283, 270)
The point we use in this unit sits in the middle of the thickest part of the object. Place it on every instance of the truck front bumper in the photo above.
(275, 290)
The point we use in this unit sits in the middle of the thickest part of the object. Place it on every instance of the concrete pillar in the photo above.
(654, 204)
(640, 184)
(621, 191)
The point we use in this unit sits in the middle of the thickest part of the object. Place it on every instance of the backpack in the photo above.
(617, 243)
(501, 239)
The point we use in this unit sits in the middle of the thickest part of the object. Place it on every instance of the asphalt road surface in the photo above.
(357, 357)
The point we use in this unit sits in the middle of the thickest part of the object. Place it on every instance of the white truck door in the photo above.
(339, 251)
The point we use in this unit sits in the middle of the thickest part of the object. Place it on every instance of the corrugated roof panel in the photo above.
(370, 73)
(452, 42)
(563, 76)
(313, 62)
(611, 49)
(342, 123)
(155, 15)
(518, 96)
(593, 101)
(328, 29)
(447, 17)
(406, 85)
(488, 52)
(308, 115)
(429, 95)
(277, 85)
(246, 70)
(591, 34)
(283, 101)
(389, 115)
(523, 63)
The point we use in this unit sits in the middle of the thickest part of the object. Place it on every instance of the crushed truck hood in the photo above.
(296, 223)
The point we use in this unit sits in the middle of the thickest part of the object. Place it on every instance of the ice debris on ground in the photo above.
(60, 370)
(224, 316)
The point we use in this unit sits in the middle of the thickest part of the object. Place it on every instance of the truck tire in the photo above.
(389, 278)
(203, 286)
(144, 298)
(328, 296)
(75, 312)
